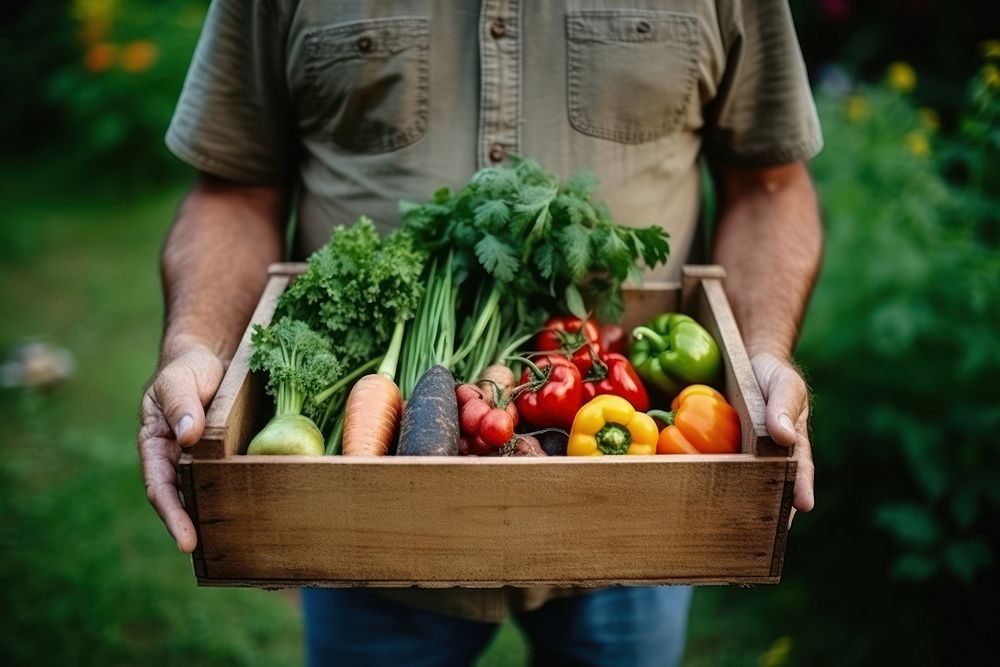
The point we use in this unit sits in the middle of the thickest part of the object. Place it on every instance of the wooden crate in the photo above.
(271, 521)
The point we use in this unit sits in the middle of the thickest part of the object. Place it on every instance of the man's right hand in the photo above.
(173, 416)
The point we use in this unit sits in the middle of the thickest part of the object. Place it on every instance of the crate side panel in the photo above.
(644, 302)
(489, 524)
(742, 390)
(237, 403)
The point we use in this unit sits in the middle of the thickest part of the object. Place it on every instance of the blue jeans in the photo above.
(620, 627)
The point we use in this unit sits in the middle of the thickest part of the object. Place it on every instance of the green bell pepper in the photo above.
(673, 351)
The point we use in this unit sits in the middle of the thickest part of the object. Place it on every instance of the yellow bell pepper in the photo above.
(610, 425)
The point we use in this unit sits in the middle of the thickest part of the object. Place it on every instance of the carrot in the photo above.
(371, 416)
(374, 406)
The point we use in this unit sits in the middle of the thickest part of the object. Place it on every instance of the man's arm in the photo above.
(770, 242)
(214, 267)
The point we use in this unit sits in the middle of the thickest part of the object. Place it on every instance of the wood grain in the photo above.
(646, 301)
(712, 309)
(234, 409)
(185, 485)
(489, 522)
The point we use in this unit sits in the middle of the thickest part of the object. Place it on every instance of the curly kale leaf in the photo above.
(356, 287)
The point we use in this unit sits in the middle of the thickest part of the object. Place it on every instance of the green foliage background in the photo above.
(901, 345)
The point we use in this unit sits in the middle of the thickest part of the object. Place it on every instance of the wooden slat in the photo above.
(489, 522)
(713, 311)
(231, 414)
(643, 302)
(781, 530)
(290, 269)
(276, 584)
(190, 501)
(691, 277)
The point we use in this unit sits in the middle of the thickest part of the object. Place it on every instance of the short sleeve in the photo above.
(763, 113)
(233, 116)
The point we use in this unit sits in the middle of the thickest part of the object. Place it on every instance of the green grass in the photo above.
(89, 575)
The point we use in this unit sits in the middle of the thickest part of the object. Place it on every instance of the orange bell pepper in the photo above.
(700, 422)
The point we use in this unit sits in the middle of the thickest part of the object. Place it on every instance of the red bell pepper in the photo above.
(613, 374)
(552, 394)
(570, 336)
(613, 338)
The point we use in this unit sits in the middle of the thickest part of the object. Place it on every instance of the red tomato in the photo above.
(496, 428)
(572, 337)
(556, 401)
(471, 414)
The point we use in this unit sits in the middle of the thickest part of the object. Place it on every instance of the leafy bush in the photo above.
(903, 338)
(902, 345)
(97, 92)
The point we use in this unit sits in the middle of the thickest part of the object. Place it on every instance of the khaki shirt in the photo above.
(361, 103)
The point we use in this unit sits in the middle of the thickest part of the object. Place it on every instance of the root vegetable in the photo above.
(374, 407)
(525, 445)
(497, 378)
(430, 422)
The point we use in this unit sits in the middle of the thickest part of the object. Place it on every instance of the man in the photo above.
(342, 109)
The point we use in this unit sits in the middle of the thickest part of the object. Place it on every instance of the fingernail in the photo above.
(786, 423)
(183, 426)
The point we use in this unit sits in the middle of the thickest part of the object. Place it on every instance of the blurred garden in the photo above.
(901, 345)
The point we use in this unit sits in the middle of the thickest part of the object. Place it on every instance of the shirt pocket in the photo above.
(631, 73)
(369, 82)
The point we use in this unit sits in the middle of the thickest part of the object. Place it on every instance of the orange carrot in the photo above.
(371, 416)
(374, 406)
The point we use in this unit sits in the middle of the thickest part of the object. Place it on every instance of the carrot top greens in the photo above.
(511, 246)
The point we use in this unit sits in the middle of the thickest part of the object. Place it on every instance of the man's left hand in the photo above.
(787, 418)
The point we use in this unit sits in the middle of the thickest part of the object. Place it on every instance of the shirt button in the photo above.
(497, 153)
(498, 29)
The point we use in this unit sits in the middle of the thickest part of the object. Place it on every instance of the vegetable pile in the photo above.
(484, 307)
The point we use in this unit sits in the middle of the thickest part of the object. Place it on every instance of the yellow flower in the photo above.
(89, 10)
(928, 118)
(901, 77)
(856, 108)
(991, 77)
(990, 48)
(100, 57)
(917, 143)
(138, 56)
(777, 653)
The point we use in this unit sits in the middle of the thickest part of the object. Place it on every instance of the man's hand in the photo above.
(787, 419)
(173, 416)
(214, 268)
